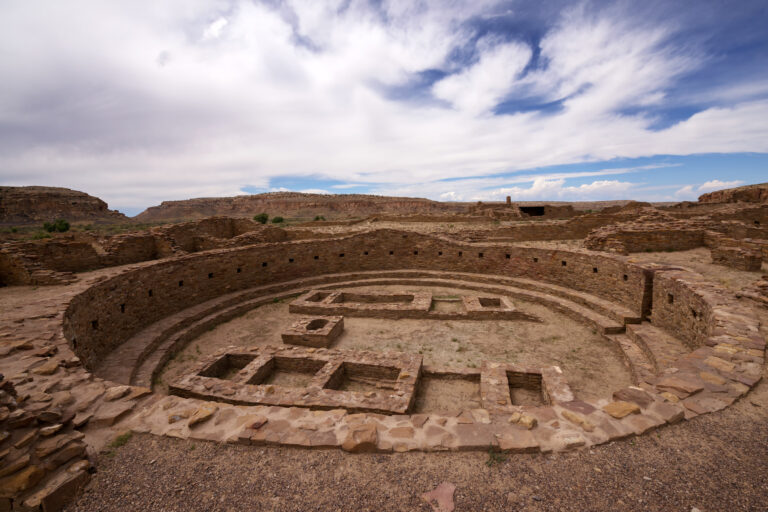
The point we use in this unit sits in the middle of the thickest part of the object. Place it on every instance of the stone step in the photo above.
(640, 366)
(661, 348)
(139, 359)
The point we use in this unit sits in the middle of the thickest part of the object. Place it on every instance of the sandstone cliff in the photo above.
(29, 205)
(294, 204)
(748, 194)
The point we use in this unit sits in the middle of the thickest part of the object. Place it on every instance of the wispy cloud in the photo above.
(181, 99)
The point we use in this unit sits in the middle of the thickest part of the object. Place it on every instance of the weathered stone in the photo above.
(137, 392)
(50, 430)
(51, 444)
(621, 409)
(47, 368)
(58, 491)
(203, 413)
(682, 384)
(360, 438)
(577, 420)
(14, 465)
(518, 441)
(712, 378)
(53, 416)
(719, 364)
(180, 415)
(109, 412)
(116, 392)
(441, 498)
(19, 482)
(418, 420)
(404, 432)
(68, 452)
(25, 439)
(634, 395)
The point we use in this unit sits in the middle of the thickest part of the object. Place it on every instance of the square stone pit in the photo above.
(314, 331)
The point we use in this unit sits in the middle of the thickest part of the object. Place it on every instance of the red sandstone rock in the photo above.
(441, 498)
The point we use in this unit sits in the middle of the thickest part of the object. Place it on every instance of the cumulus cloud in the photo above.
(177, 99)
(712, 185)
(691, 192)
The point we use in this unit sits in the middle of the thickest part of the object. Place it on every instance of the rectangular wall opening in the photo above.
(362, 378)
(525, 388)
(227, 366)
(446, 394)
(363, 298)
(532, 211)
(289, 372)
(490, 302)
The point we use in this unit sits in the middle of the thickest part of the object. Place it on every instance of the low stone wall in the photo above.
(682, 309)
(738, 258)
(105, 315)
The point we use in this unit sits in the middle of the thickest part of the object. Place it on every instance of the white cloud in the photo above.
(691, 192)
(709, 186)
(314, 191)
(213, 31)
(480, 87)
(301, 90)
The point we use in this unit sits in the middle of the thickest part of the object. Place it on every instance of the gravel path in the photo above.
(717, 462)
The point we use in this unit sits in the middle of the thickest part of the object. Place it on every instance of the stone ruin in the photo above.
(83, 357)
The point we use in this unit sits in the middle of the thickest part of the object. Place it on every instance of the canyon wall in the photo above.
(30, 205)
(749, 194)
(294, 204)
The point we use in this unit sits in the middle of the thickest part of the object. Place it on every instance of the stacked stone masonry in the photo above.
(722, 360)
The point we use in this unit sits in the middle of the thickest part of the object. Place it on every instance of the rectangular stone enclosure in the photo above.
(321, 379)
(407, 305)
(314, 331)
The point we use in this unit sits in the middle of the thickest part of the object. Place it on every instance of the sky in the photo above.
(144, 101)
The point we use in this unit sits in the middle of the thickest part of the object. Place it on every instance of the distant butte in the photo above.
(29, 205)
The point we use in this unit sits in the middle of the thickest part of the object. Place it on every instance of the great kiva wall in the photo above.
(418, 326)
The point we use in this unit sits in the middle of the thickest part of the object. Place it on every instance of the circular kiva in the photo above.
(691, 348)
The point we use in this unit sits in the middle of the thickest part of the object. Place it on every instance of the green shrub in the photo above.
(319, 217)
(277, 220)
(14, 230)
(262, 217)
(40, 235)
(59, 225)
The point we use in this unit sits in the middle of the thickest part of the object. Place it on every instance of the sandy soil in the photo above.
(592, 365)
(716, 462)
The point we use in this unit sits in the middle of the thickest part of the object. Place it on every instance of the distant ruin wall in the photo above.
(105, 315)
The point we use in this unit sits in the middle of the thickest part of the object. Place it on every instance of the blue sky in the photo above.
(147, 101)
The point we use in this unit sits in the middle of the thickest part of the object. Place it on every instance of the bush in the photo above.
(59, 225)
(277, 220)
(40, 235)
(262, 217)
(319, 217)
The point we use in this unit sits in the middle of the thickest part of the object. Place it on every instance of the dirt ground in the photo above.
(592, 365)
(716, 462)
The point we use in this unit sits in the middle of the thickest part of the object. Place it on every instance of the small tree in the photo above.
(319, 217)
(277, 220)
(262, 217)
(59, 225)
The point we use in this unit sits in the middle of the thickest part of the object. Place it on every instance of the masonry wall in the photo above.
(681, 308)
(108, 313)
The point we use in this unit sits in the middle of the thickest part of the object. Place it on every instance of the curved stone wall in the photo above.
(105, 315)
